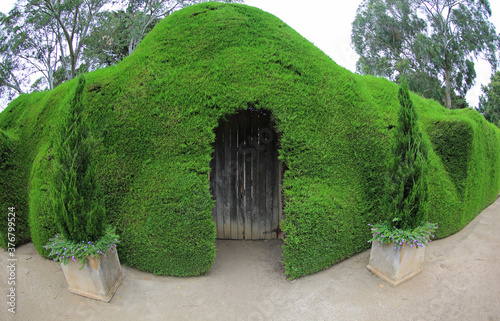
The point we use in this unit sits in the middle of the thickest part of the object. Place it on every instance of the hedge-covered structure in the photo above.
(154, 116)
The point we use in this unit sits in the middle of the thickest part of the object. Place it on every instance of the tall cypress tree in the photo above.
(408, 185)
(76, 199)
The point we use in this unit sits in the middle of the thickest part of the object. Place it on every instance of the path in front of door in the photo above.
(459, 282)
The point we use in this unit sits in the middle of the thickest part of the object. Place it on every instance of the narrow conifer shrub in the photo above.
(407, 187)
(76, 198)
(77, 201)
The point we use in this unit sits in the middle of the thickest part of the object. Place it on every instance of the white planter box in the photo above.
(396, 266)
(99, 279)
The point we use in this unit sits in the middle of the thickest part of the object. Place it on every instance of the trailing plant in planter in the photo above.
(63, 250)
(79, 212)
(406, 196)
(386, 233)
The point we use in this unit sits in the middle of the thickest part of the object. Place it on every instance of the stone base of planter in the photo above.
(395, 266)
(99, 279)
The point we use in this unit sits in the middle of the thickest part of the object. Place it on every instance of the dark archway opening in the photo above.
(246, 177)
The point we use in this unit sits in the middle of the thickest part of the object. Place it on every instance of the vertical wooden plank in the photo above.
(248, 166)
(255, 201)
(276, 182)
(267, 140)
(233, 174)
(262, 180)
(227, 181)
(241, 177)
(219, 180)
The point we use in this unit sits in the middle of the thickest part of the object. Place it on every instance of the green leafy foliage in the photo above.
(489, 103)
(76, 199)
(431, 44)
(13, 192)
(407, 186)
(154, 116)
(406, 198)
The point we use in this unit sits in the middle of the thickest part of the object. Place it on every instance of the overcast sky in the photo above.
(327, 24)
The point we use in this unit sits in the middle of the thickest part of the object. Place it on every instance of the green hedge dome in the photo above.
(155, 116)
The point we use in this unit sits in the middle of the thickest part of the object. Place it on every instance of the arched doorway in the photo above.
(246, 176)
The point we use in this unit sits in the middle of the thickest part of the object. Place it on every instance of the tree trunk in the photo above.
(447, 98)
(73, 65)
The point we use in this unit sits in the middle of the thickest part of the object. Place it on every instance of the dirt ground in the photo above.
(460, 281)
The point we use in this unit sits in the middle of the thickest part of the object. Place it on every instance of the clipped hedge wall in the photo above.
(13, 193)
(154, 116)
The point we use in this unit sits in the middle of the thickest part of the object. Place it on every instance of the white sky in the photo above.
(327, 24)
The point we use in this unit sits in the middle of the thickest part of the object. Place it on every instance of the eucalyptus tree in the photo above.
(108, 43)
(54, 40)
(489, 102)
(433, 43)
(118, 32)
(12, 74)
(144, 14)
(33, 43)
(72, 21)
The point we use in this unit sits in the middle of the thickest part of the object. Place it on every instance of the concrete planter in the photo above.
(395, 266)
(99, 279)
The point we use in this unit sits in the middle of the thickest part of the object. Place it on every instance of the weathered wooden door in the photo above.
(245, 178)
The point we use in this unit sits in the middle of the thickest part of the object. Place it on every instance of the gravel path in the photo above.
(460, 281)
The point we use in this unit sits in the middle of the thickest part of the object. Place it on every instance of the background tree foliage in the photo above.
(13, 75)
(432, 43)
(489, 103)
(46, 42)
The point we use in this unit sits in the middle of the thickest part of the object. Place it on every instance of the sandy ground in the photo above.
(460, 281)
